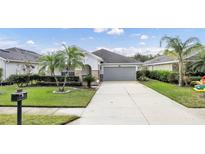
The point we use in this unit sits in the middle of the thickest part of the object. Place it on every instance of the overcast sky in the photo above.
(126, 41)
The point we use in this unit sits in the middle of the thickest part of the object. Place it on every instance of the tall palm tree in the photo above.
(180, 50)
(71, 58)
(198, 65)
(50, 63)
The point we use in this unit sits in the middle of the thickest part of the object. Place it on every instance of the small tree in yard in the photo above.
(50, 63)
(89, 79)
(71, 58)
(180, 50)
(27, 69)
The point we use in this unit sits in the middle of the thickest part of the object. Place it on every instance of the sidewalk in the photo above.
(43, 111)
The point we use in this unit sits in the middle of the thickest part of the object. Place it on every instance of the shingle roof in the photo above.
(167, 59)
(159, 59)
(111, 57)
(18, 54)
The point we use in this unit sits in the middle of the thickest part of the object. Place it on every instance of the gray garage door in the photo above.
(119, 74)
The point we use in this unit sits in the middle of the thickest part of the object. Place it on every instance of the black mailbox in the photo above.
(18, 96)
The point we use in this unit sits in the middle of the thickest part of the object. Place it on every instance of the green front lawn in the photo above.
(183, 95)
(43, 96)
(6, 119)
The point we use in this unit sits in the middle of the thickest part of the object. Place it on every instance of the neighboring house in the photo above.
(13, 61)
(164, 62)
(116, 67)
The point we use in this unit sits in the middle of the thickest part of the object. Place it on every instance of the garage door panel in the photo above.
(119, 74)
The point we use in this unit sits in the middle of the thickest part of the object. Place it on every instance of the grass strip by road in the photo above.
(10, 119)
(183, 95)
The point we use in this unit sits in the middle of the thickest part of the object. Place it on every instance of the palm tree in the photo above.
(198, 65)
(180, 50)
(71, 58)
(50, 63)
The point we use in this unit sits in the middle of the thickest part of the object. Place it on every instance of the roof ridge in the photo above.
(17, 48)
(113, 57)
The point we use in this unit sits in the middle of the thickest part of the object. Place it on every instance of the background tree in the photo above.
(49, 63)
(71, 58)
(27, 69)
(180, 50)
(143, 58)
(198, 65)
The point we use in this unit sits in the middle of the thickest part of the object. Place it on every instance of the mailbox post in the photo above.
(18, 97)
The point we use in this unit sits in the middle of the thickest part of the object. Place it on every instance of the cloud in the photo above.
(115, 31)
(100, 30)
(7, 43)
(144, 37)
(87, 38)
(135, 35)
(48, 50)
(63, 43)
(110, 31)
(142, 43)
(130, 51)
(30, 42)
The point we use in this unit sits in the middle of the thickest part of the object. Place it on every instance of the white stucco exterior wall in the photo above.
(92, 61)
(2, 65)
(10, 68)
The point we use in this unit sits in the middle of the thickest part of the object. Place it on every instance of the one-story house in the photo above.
(163, 62)
(104, 65)
(116, 67)
(13, 60)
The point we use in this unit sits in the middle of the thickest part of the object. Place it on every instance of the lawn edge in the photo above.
(75, 118)
(141, 82)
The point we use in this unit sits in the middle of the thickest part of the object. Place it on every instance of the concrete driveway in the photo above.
(133, 103)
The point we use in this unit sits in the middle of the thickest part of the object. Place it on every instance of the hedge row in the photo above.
(165, 76)
(21, 80)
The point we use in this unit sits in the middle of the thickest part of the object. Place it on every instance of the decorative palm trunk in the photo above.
(180, 73)
(57, 83)
(89, 84)
(64, 83)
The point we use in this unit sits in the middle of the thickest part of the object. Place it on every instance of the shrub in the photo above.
(89, 79)
(1, 74)
(161, 75)
(22, 80)
(165, 76)
(142, 73)
(173, 77)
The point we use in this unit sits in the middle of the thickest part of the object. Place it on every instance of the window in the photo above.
(70, 73)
